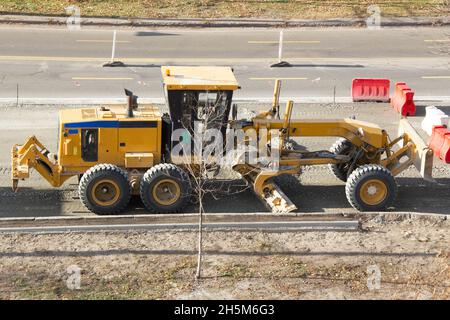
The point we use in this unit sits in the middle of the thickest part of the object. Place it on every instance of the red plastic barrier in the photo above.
(440, 143)
(444, 155)
(371, 90)
(403, 100)
(407, 107)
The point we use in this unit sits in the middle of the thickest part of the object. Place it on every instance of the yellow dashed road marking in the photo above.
(104, 41)
(441, 40)
(436, 77)
(286, 41)
(101, 78)
(280, 78)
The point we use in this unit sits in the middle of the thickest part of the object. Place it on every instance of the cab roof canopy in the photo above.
(199, 78)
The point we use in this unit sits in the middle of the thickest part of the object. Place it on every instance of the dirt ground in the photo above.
(388, 259)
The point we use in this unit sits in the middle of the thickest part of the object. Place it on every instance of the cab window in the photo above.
(89, 145)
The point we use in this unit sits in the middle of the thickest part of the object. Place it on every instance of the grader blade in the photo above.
(266, 189)
(276, 200)
(15, 185)
(419, 153)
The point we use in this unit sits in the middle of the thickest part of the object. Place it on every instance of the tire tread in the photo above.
(89, 175)
(337, 148)
(358, 174)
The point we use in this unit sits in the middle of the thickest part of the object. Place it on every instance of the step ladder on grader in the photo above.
(118, 151)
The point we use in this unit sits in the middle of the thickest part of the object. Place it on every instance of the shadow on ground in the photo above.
(327, 66)
(153, 34)
(126, 65)
(420, 110)
(414, 195)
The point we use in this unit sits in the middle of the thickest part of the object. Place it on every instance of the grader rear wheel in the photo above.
(165, 188)
(371, 188)
(104, 189)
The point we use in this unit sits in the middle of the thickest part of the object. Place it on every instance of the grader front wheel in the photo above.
(341, 147)
(104, 189)
(371, 188)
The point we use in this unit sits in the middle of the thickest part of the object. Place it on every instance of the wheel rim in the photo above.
(166, 192)
(373, 192)
(105, 192)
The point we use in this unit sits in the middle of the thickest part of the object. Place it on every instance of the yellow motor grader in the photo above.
(118, 151)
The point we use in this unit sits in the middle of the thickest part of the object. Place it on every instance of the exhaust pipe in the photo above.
(131, 103)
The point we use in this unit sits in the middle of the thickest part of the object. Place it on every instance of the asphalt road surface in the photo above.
(42, 64)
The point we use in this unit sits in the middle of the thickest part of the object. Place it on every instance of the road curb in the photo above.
(387, 216)
(222, 23)
(274, 223)
(175, 222)
(225, 226)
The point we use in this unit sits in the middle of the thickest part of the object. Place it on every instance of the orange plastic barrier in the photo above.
(403, 100)
(397, 93)
(371, 90)
(440, 143)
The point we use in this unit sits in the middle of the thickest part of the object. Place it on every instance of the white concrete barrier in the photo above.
(433, 117)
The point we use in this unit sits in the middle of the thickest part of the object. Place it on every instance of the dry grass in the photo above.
(283, 9)
(282, 277)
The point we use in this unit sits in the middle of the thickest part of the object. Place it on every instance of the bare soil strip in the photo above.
(406, 259)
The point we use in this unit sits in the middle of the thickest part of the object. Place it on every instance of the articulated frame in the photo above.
(372, 144)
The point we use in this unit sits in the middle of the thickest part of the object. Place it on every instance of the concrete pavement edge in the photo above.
(223, 22)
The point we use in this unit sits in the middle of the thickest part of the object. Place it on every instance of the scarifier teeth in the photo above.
(15, 185)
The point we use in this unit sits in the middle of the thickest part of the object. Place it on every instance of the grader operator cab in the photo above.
(118, 151)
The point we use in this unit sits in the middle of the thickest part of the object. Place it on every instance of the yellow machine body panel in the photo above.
(138, 160)
(106, 135)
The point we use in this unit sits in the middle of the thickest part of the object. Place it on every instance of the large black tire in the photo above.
(341, 147)
(104, 189)
(165, 188)
(371, 188)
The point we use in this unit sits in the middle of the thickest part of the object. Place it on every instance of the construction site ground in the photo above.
(410, 257)
(408, 251)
